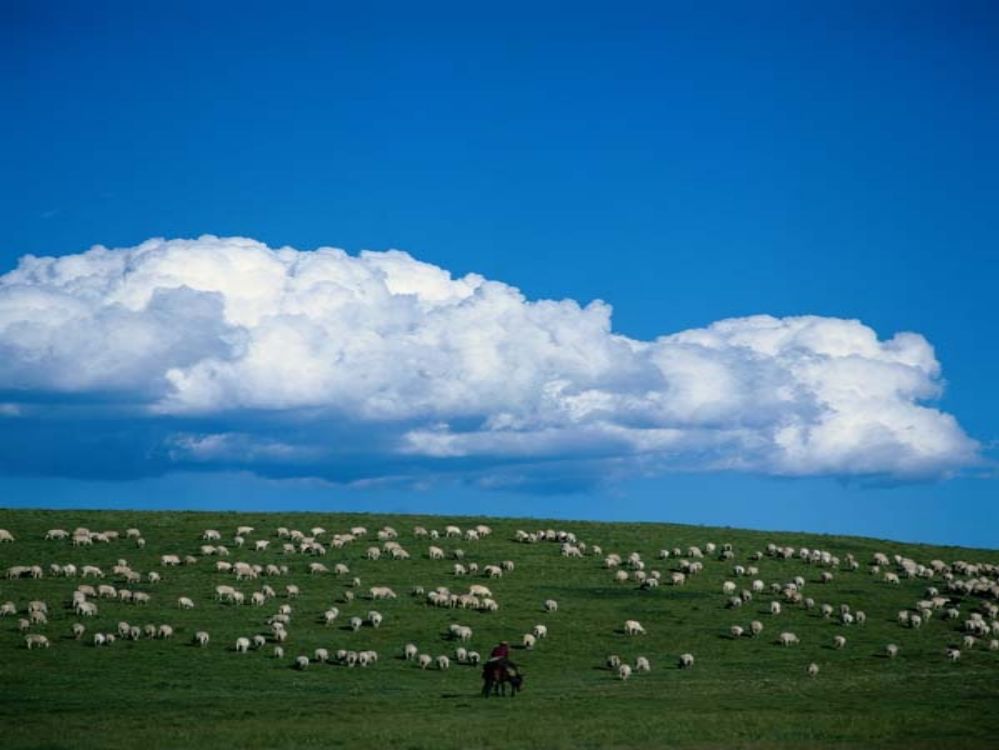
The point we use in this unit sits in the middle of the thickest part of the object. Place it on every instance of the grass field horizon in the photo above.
(741, 692)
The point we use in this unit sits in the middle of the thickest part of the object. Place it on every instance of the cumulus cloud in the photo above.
(222, 353)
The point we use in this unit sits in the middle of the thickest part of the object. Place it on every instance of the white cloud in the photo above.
(293, 361)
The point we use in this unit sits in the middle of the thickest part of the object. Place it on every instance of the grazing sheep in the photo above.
(301, 662)
(642, 664)
(686, 661)
(259, 641)
(330, 615)
(551, 605)
(736, 631)
(356, 623)
(623, 672)
(474, 657)
(201, 638)
(35, 639)
(953, 654)
(528, 641)
(633, 627)
(375, 618)
(839, 642)
(242, 645)
(443, 662)
(165, 631)
(409, 651)
(613, 661)
(787, 639)
(321, 655)
(78, 630)
(540, 631)
(292, 590)
(813, 669)
(891, 650)
(185, 603)
(6, 536)
(969, 642)
(775, 608)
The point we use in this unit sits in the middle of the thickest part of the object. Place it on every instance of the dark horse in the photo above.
(496, 676)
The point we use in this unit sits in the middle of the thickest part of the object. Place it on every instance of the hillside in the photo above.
(741, 691)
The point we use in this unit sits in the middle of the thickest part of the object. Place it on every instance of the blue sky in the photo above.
(683, 165)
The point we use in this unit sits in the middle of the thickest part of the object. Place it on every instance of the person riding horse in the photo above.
(498, 671)
(501, 655)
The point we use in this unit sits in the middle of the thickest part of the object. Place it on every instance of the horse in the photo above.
(496, 676)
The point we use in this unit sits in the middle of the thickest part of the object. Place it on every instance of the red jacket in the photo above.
(500, 652)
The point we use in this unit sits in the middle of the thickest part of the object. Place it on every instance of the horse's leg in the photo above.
(487, 688)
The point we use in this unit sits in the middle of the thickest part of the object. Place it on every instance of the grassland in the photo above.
(741, 693)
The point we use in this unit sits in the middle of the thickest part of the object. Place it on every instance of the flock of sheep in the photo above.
(958, 591)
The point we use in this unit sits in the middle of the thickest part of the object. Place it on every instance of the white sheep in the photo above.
(775, 608)
(424, 660)
(185, 603)
(839, 642)
(613, 661)
(686, 661)
(540, 631)
(410, 651)
(443, 662)
(356, 623)
(321, 655)
(382, 592)
(202, 638)
(259, 641)
(278, 652)
(242, 645)
(302, 662)
(6, 536)
(642, 664)
(953, 654)
(787, 639)
(633, 627)
(528, 641)
(623, 672)
(736, 631)
(78, 630)
(375, 618)
(813, 669)
(165, 631)
(330, 615)
(551, 605)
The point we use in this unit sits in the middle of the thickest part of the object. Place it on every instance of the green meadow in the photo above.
(742, 692)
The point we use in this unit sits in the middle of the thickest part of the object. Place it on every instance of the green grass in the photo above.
(746, 693)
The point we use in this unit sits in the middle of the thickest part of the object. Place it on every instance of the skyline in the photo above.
(671, 179)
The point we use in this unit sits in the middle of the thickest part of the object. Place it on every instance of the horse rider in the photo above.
(501, 655)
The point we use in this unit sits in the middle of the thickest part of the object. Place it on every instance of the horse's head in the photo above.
(517, 681)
